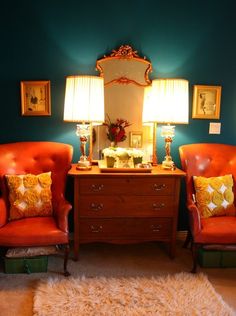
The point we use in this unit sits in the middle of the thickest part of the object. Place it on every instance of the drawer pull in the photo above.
(96, 207)
(97, 187)
(158, 207)
(159, 187)
(156, 228)
(96, 229)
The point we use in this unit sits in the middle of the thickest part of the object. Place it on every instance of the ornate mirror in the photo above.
(126, 75)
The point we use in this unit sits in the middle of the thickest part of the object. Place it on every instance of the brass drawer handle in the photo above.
(156, 228)
(96, 206)
(158, 207)
(97, 187)
(159, 187)
(96, 229)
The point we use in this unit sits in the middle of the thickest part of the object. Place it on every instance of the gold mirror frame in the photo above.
(125, 74)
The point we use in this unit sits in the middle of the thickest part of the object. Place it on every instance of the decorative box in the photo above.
(26, 265)
(28, 259)
(217, 258)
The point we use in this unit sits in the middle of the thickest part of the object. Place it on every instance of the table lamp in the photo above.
(167, 103)
(147, 119)
(84, 104)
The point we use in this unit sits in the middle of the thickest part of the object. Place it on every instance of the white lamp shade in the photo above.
(166, 102)
(147, 106)
(84, 99)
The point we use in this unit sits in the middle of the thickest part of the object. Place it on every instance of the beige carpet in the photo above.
(179, 294)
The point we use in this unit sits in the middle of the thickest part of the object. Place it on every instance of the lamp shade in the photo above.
(84, 99)
(147, 117)
(166, 102)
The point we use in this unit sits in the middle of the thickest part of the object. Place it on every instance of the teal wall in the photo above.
(48, 40)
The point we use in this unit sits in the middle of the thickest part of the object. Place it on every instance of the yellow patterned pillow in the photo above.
(214, 196)
(30, 195)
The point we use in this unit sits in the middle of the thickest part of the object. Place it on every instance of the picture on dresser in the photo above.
(35, 98)
(136, 139)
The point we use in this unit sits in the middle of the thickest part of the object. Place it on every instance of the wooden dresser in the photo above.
(125, 207)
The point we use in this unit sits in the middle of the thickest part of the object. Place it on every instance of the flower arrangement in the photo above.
(116, 130)
(109, 152)
(119, 155)
(115, 152)
(135, 153)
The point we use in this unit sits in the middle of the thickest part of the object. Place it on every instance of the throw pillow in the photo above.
(30, 195)
(214, 196)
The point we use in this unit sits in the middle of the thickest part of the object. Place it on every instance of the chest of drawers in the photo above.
(125, 207)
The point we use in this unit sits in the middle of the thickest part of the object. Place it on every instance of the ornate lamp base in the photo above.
(168, 163)
(83, 131)
(84, 165)
(168, 132)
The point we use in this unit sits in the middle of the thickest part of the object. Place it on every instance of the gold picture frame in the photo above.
(136, 139)
(206, 102)
(35, 98)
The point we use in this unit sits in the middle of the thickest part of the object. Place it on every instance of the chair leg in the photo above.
(195, 248)
(66, 256)
(188, 239)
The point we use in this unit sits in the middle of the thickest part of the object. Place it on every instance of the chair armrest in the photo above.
(61, 209)
(3, 212)
(194, 219)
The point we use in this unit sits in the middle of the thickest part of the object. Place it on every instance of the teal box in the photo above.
(228, 259)
(26, 265)
(216, 258)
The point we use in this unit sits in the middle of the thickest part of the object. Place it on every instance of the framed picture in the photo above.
(206, 102)
(35, 98)
(136, 139)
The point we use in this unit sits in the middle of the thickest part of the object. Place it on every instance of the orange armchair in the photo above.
(35, 158)
(208, 160)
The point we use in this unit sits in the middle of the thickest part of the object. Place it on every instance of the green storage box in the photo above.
(217, 258)
(228, 259)
(26, 265)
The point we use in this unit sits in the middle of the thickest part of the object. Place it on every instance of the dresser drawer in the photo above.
(127, 186)
(118, 229)
(125, 206)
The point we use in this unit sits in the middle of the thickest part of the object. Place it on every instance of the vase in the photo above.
(110, 161)
(113, 144)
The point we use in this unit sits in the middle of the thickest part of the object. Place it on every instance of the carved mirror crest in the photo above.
(126, 74)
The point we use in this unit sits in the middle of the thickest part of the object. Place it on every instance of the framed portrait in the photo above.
(135, 139)
(206, 102)
(35, 98)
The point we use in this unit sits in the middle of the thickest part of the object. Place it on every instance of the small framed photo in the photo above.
(35, 98)
(135, 139)
(206, 102)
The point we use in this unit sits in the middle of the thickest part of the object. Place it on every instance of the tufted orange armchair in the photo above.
(36, 158)
(208, 160)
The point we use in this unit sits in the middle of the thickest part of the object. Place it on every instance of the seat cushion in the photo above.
(32, 231)
(30, 195)
(217, 230)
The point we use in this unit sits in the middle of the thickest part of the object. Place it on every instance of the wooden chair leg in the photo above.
(195, 248)
(66, 256)
(188, 239)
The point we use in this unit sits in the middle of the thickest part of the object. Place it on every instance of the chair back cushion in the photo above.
(33, 158)
(29, 195)
(207, 160)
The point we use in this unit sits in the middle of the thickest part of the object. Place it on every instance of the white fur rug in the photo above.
(178, 295)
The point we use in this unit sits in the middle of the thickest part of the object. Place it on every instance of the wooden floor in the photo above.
(148, 259)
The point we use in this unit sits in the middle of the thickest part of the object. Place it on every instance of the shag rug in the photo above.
(179, 294)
